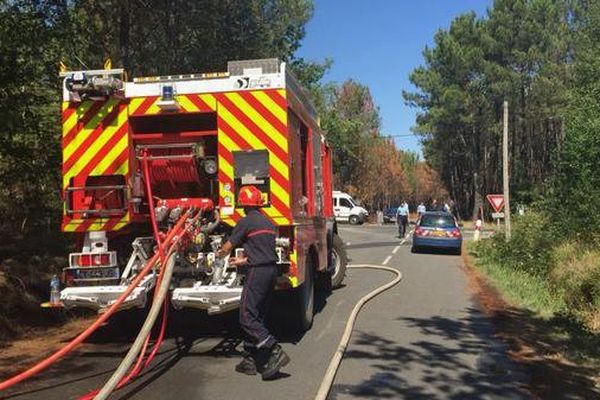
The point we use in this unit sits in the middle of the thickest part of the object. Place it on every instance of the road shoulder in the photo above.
(535, 343)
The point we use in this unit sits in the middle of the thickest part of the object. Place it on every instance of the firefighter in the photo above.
(257, 234)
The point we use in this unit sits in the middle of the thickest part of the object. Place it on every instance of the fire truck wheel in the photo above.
(304, 299)
(339, 260)
(323, 283)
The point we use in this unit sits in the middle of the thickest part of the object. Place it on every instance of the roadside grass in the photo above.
(520, 288)
(551, 314)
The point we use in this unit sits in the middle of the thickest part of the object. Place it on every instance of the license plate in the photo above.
(98, 273)
(438, 233)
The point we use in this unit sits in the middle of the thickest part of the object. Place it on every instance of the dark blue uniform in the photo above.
(257, 234)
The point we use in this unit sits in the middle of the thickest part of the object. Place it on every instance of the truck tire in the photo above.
(354, 220)
(291, 311)
(339, 260)
(305, 299)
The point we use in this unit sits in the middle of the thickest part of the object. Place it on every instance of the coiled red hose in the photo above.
(151, 203)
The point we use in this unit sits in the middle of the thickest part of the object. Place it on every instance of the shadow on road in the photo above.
(368, 245)
(542, 359)
(84, 368)
(452, 359)
(186, 330)
(439, 251)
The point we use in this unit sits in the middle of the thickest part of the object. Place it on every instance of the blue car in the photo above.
(437, 230)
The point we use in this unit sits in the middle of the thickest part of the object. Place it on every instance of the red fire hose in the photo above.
(42, 365)
(137, 368)
(151, 203)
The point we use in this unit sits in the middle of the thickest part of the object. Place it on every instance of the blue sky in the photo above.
(378, 43)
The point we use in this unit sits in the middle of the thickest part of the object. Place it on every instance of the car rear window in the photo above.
(437, 221)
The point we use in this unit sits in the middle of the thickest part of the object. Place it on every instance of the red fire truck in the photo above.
(158, 145)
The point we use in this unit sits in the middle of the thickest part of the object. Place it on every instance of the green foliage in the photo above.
(349, 118)
(156, 37)
(558, 243)
(576, 188)
(544, 274)
(520, 52)
(310, 73)
(576, 274)
(29, 124)
(530, 248)
(518, 287)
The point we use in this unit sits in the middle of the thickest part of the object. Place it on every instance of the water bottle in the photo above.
(55, 291)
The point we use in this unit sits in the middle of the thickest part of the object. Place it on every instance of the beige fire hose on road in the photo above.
(339, 354)
(157, 305)
(163, 290)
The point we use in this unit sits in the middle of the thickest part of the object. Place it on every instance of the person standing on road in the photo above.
(257, 234)
(435, 206)
(421, 209)
(432, 205)
(402, 218)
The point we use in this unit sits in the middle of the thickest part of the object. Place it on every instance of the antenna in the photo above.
(81, 62)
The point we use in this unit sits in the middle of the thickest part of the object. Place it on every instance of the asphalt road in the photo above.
(423, 339)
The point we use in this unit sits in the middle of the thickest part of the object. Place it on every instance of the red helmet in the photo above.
(250, 196)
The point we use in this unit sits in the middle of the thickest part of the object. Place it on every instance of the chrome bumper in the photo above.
(101, 297)
(215, 299)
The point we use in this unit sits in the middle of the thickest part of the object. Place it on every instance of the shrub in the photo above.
(530, 248)
(576, 276)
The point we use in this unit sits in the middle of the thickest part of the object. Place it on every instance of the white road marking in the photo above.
(387, 260)
(395, 249)
(405, 238)
(348, 243)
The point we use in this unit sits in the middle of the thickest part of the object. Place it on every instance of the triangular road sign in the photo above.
(497, 201)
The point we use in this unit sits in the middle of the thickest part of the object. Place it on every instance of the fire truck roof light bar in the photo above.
(186, 77)
(254, 67)
(94, 72)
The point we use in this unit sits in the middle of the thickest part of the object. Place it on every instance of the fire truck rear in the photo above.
(137, 155)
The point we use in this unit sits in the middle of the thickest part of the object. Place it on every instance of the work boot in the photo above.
(247, 365)
(277, 360)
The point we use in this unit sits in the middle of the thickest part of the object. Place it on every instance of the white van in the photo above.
(345, 209)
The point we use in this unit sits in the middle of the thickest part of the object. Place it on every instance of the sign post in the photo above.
(505, 172)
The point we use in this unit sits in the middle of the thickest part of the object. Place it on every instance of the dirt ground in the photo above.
(539, 345)
(37, 344)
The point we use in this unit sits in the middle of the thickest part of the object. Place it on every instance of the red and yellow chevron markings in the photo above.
(140, 106)
(96, 224)
(255, 120)
(95, 142)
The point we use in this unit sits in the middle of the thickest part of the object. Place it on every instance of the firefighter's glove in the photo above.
(238, 261)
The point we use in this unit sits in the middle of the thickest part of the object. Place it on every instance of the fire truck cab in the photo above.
(192, 141)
